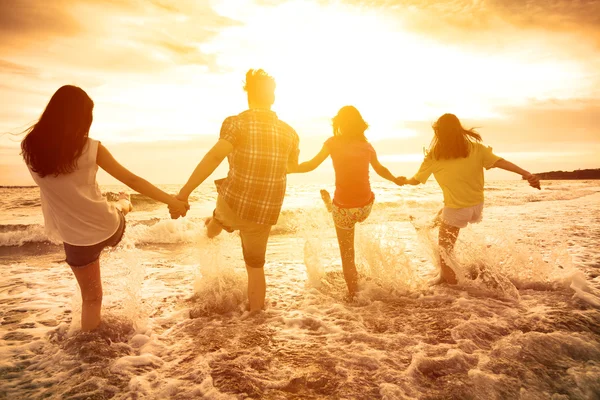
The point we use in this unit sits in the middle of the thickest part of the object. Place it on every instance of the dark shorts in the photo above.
(80, 256)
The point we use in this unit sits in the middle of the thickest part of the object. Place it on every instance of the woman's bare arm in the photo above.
(311, 165)
(533, 180)
(381, 170)
(107, 162)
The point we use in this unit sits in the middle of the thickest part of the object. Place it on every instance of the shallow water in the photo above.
(175, 326)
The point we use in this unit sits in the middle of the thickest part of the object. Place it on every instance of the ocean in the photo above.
(523, 323)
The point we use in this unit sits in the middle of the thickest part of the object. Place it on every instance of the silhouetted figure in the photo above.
(63, 161)
(259, 147)
(351, 154)
(456, 158)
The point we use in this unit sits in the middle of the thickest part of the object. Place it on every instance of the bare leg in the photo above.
(346, 243)
(124, 203)
(447, 239)
(257, 288)
(213, 228)
(90, 284)
(326, 199)
(437, 220)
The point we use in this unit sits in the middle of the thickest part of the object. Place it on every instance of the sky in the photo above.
(164, 74)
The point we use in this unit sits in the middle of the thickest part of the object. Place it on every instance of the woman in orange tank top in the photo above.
(351, 155)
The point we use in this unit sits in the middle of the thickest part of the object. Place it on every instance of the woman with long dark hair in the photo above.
(456, 158)
(63, 161)
(351, 154)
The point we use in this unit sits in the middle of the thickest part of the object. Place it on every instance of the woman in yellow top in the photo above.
(456, 158)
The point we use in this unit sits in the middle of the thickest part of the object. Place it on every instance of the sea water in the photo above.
(523, 322)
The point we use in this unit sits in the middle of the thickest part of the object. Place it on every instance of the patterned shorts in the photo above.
(346, 218)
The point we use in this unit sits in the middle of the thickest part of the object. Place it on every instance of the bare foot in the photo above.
(350, 297)
(249, 314)
(449, 279)
(212, 229)
(127, 198)
(326, 199)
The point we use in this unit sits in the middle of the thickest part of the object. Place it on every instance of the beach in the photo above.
(523, 323)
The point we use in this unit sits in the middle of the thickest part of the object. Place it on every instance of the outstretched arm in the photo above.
(533, 180)
(206, 167)
(107, 162)
(311, 165)
(381, 170)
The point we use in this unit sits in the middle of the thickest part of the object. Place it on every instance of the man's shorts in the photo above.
(461, 217)
(80, 256)
(254, 236)
(346, 218)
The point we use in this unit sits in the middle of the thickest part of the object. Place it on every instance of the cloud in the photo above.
(115, 35)
(555, 121)
(492, 23)
(32, 18)
(7, 67)
(538, 126)
(553, 14)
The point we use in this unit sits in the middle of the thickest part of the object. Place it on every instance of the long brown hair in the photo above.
(54, 143)
(450, 139)
(349, 124)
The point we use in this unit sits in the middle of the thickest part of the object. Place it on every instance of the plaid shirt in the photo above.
(262, 145)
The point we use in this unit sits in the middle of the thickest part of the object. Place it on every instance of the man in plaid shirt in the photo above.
(260, 148)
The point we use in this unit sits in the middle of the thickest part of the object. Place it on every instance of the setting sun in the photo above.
(299, 199)
(167, 72)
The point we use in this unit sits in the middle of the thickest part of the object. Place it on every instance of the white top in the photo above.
(75, 212)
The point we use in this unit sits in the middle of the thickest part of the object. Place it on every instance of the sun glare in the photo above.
(327, 56)
(323, 57)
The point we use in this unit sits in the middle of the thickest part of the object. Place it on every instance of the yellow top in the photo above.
(461, 179)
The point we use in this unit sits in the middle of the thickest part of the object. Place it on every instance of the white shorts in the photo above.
(461, 217)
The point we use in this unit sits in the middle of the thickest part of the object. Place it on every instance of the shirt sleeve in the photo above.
(229, 131)
(488, 157)
(425, 170)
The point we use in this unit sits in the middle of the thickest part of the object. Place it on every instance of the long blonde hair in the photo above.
(450, 139)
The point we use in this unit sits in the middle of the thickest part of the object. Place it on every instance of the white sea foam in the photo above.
(526, 325)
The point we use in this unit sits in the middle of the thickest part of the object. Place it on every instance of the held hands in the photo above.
(179, 207)
(400, 180)
(533, 180)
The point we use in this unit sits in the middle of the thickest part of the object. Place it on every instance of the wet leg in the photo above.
(90, 284)
(326, 199)
(257, 288)
(346, 243)
(447, 238)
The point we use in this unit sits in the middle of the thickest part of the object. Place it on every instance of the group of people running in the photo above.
(261, 149)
